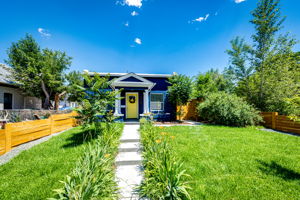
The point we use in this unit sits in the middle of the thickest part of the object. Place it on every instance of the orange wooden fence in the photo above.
(21, 132)
(189, 111)
(280, 122)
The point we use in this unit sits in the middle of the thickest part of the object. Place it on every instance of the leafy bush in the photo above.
(227, 109)
(164, 174)
(93, 176)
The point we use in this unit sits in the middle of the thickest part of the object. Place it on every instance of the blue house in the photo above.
(141, 94)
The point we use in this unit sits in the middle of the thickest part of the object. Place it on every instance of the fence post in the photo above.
(73, 115)
(274, 115)
(7, 130)
(51, 124)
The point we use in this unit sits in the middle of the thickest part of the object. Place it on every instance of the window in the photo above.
(7, 101)
(157, 102)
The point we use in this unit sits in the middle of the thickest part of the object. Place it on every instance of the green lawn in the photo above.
(36, 172)
(238, 163)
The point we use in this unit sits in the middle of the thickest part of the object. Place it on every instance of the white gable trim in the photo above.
(120, 83)
(133, 75)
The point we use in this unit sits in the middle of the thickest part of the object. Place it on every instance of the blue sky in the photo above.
(153, 36)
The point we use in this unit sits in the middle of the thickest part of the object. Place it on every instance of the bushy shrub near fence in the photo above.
(93, 176)
(165, 177)
(228, 109)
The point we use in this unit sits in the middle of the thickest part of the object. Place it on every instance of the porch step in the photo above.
(128, 158)
(129, 147)
(129, 140)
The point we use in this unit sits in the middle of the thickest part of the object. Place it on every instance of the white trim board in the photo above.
(139, 74)
(120, 83)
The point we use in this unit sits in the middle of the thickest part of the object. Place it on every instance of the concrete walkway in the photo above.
(129, 163)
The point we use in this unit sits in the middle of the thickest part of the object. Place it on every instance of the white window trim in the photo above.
(162, 102)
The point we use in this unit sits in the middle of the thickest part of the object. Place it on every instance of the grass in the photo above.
(238, 163)
(36, 172)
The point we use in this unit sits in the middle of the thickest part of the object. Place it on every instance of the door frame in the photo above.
(137, 104)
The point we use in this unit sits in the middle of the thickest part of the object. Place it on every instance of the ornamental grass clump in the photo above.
(93, 176)
(165, 177)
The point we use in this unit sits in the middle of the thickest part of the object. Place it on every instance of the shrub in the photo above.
(228, 109)
(164, 176)
(93, 176)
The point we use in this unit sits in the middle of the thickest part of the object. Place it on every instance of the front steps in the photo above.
(129, 163)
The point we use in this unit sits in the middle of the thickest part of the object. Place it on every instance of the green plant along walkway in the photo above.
(238, 163)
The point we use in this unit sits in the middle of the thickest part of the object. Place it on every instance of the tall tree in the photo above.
(39, 73)
(267, 21)
(240, 68)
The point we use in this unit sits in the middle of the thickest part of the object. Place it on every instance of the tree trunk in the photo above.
(47, 96)
(57, 98)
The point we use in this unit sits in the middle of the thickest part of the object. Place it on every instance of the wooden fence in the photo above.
(18, 133)
(189, 111)
(280, 122)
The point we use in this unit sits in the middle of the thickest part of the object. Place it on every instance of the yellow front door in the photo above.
(132, 100)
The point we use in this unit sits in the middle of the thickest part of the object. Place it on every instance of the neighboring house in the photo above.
(11, 97)
(141, 94)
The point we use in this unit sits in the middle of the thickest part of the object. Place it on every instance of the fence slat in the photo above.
(280, 122)
(18, 133)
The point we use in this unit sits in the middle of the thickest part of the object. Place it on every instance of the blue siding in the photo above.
(131, 79)
(161, 83)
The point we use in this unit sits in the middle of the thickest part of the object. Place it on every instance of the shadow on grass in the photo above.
(79, 139)
(276, 169)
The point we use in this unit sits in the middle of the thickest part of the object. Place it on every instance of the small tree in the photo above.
(208, 82)
(95, 103)
(179, 91)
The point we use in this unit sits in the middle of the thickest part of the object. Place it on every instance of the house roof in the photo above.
(5, 74)
(123, 74)
(137, 81)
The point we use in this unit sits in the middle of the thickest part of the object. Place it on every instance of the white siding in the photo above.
(18, 98)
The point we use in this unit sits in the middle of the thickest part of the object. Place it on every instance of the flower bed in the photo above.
(94, 174)
(164, 176)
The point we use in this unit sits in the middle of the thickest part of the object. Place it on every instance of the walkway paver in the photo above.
(129, 163)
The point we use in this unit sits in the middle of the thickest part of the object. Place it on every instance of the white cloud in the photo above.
(136, 3)
(138, 41)
(239, 1)
(126, 24)
(44, 32)
(134, 13)
(200, 19)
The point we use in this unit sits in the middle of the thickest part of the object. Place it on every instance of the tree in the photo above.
(240, 68)
(267, 73)
(95, 103)
(53, 76)
(209, 82)
(38, 72)
(267, 21)
(74, 79)
(180, 90)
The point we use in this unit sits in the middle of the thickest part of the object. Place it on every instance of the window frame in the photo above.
(162, 102)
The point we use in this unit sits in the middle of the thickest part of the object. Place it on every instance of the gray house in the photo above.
(11, 97)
